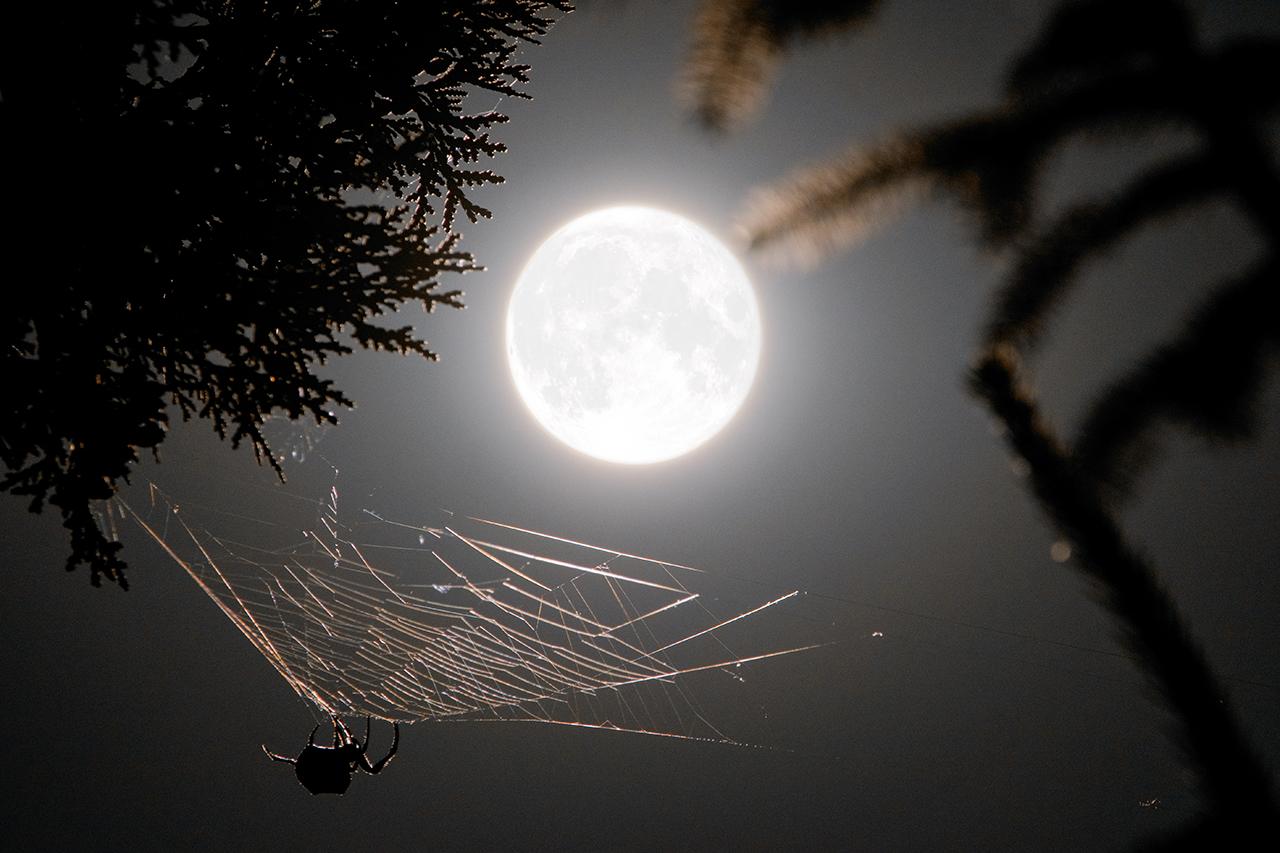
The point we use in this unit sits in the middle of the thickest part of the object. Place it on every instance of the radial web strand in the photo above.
(470, 619)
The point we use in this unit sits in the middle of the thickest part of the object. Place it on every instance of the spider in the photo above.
(328, 769)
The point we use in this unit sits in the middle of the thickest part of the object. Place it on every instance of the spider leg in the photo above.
(377, 768)
(286, 759)
(311, 741)
(368, 722)
(341, 734)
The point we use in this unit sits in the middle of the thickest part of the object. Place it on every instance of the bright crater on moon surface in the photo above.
(633, 335)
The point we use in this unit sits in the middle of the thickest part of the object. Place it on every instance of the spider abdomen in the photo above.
(324, 770)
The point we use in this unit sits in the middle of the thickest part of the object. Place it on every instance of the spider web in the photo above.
(468, 619)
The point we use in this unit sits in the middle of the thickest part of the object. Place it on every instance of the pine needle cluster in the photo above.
(210, 198)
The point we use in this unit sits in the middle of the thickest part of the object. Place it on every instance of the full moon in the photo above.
(633, 335)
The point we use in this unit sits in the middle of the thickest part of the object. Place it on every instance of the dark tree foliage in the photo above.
(209, 199)
(1099, 68)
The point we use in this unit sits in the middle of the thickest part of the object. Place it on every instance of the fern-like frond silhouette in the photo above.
(991, 162)
(1232, 778)
(834, 205)
(737, 44)
(1048, 260)
(1207, 379)
(1117, 70)
(1094, 40)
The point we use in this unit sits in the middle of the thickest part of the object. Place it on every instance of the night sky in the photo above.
(996, 712)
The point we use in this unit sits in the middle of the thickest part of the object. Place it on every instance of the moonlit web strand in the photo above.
(567, 541)
(482, 636)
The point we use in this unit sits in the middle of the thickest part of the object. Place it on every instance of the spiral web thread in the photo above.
(435, 623)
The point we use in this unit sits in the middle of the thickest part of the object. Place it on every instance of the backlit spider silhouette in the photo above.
(328, 769)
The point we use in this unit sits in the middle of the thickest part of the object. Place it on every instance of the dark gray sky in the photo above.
(858, 469)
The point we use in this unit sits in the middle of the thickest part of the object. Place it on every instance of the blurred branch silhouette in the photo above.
(212, 198)
(738, 43)
(1098, 68)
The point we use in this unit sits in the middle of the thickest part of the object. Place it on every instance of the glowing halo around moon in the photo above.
(633, 335)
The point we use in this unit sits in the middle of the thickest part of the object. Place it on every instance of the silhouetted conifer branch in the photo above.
(216, 197)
